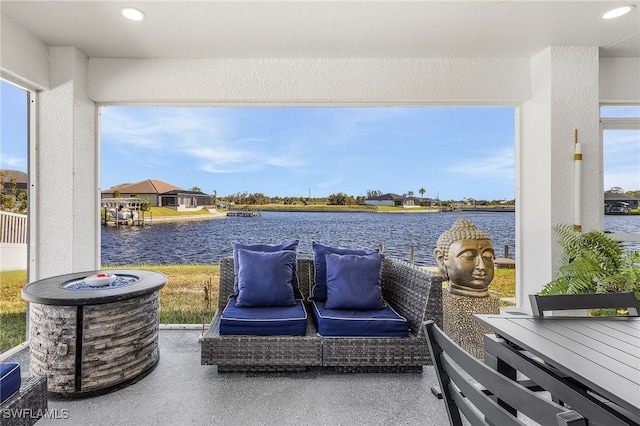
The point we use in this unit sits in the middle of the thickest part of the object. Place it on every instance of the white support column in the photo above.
(565, 97)
(65, 227)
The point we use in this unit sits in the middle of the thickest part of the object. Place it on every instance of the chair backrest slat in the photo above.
(475, 397)
(469, 386)
(474, 417)
(624, 300)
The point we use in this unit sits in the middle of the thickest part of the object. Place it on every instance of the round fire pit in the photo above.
(93, 332)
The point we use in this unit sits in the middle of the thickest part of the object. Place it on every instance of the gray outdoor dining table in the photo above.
(601, 353)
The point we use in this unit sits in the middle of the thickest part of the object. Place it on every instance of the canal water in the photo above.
(207, 241)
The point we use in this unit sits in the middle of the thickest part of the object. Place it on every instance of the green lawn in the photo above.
(190, 296)
(504, 285)
(166, 211)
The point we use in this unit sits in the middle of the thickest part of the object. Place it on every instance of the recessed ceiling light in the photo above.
(618, 11)
(133, 14)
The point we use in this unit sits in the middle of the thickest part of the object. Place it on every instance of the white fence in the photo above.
(13, 241)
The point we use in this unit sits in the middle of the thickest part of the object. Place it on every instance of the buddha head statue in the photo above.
(465, 258)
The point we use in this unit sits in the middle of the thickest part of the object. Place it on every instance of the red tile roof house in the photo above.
(161, 194)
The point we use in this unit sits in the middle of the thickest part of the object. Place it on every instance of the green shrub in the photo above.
(593, 262)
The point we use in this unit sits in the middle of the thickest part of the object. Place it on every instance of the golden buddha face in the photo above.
(468, 267)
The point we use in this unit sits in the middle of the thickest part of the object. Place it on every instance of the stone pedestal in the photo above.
(459, 324)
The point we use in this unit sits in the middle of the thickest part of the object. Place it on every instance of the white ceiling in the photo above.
(323, 29)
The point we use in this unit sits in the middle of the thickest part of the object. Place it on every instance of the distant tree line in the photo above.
(246, 198)
(632, 194)
(343, 199)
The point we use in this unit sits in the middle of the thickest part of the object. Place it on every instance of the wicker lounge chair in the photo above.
(412, 291)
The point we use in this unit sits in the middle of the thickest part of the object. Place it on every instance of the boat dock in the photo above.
(125, 211)
(244, 213)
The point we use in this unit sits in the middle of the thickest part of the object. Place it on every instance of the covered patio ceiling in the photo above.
(328, 29)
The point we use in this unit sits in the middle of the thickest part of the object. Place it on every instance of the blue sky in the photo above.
(451, 152)
(13, 128)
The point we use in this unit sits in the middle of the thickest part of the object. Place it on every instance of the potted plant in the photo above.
(593, 262)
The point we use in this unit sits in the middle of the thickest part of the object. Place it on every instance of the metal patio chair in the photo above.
(470, 389)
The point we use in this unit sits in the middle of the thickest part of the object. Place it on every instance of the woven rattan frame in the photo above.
(27, 405)
(258, 353)
(412, 291)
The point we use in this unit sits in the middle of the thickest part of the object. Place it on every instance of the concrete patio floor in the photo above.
(180, 391)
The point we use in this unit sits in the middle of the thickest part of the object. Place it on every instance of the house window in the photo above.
(620, 135)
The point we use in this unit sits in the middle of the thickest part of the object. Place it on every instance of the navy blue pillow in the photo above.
(319, 252)
(264, 278)
(291, 245)
(354, 281)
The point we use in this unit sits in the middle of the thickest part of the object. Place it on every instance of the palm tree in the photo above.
(422, 191)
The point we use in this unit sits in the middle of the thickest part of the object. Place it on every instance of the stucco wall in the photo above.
(326, 81)
(565, 98)
(64, 220)
(620, 80)
(23, 56)
(379, 203)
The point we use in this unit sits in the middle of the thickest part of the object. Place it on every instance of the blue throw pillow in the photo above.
(354, 281)
(319, 252)
(264, 278)
(291, 245)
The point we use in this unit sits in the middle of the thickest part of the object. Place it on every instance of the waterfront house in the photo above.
(391, 199)
(556, 63)
(161, 194)
(613, 199)
(183, 200)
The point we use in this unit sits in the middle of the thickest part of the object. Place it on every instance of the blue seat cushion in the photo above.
(264, 321)
(9, 379)
(357, 323)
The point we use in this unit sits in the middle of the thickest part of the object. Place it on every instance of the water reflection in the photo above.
(207, 241)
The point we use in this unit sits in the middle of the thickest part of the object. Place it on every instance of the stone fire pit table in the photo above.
(92, 340)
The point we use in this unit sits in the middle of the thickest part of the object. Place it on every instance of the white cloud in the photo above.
(499, 163)
(158, 128)
(12, 162)
(627, 179)
(206, 140)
